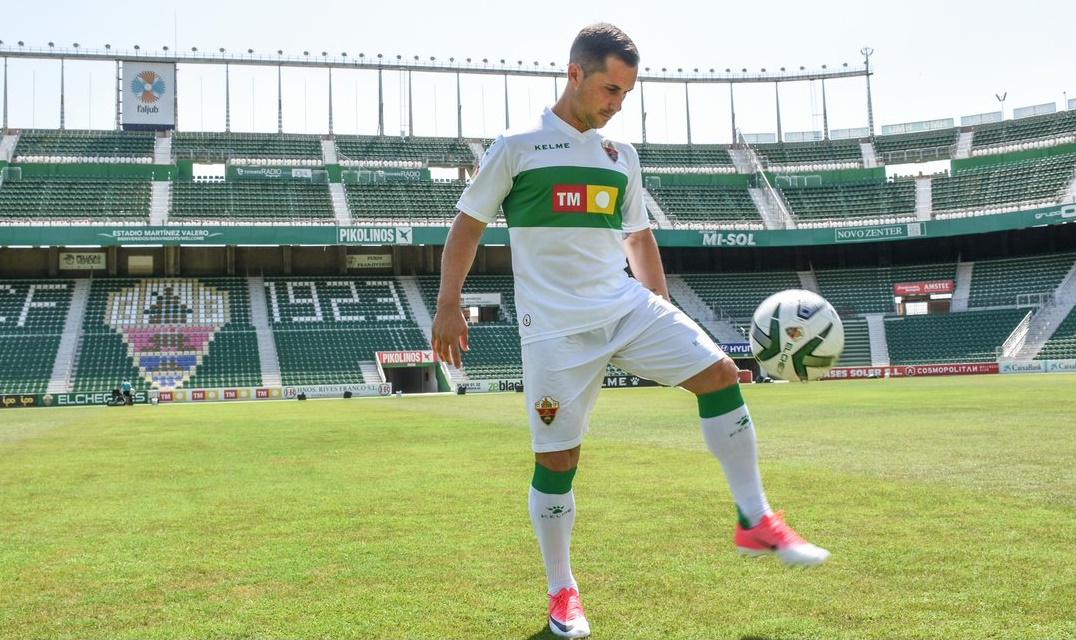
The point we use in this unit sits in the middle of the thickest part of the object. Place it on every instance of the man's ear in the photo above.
(575, 72)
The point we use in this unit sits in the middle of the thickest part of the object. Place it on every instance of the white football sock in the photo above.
(553, 516)
(730, 436)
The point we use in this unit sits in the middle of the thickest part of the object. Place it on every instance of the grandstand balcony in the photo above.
(684, 158)
(74, 145)
(416, 151)
(1025, 133)
(919, 146)
(422, 202)
(251, 201)
(71, 199)
(833, 154)
(708, 205)
(1003, 186)
(287, 148)
(839, 204)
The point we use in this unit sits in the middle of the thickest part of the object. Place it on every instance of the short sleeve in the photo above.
(490, 185)
(633, 210)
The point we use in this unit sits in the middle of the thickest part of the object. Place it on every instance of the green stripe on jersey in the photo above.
(566, 197)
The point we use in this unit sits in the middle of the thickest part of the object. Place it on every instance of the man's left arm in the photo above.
(645, 261)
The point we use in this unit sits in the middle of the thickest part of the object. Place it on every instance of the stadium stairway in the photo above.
(7, 147)
(162, 150)
(160, 202)
(809, 281)
(1070, 191)
(656, 212)
(924, 194)
(962, 287)
(477, 150)
(857, 346)
(328, 151)
(1046, 320)
(63, 366)
(870, 156)
(259, 318)
(370, 372)
(879, 345)
(421, 314)
(744, 159)
(772, 208)
(338, 196)
(715, 321)
(963, 144)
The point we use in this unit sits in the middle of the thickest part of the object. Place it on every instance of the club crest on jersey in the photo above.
(794, 332)
(610, 149)
(547, 409)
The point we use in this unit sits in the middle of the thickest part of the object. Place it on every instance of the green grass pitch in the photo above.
(949, 505)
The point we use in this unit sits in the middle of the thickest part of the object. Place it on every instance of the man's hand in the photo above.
(449, 333)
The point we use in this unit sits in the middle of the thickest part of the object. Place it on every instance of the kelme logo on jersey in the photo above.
(584, 198)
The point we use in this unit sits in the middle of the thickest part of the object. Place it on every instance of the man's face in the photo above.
(597, 97)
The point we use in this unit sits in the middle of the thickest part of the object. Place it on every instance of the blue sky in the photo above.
(931, 60)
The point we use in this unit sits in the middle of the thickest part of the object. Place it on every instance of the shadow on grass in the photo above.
(543, 634)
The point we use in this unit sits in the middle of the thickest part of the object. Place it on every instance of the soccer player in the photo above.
(573, 203)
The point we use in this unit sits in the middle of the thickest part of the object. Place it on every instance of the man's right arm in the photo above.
(449, 333)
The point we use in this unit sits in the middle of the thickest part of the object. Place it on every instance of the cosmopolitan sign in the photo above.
(912, 370)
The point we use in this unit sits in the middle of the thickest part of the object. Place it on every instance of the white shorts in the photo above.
(562, 376)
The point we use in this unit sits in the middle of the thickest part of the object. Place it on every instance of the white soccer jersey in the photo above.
(568, 198)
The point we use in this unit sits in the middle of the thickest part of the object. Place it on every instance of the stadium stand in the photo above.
(1021, 183)
(655, 157)
(495, 349)
(218, 147)
(73, 145)
(72, 199)
(1024, 131)
(706, 204)
(329, 348)
(244, 201)
(836, 152)
(32, 315)
(419, 202)
(324, 327)
(857, 343)
(969, 336)
(418, 150)
(846, 202)
(1015, 281)
(856, 291)
(166, 332)
(1063, 343)
(737, 294)
(914, 147)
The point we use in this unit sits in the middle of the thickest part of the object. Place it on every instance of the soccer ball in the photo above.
(796, 335)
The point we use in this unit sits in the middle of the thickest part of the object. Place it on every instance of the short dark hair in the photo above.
(597, 42)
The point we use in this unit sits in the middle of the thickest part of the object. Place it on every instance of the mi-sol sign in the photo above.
(923, 288)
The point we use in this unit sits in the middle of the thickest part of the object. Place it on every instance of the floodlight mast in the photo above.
(867, 52)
